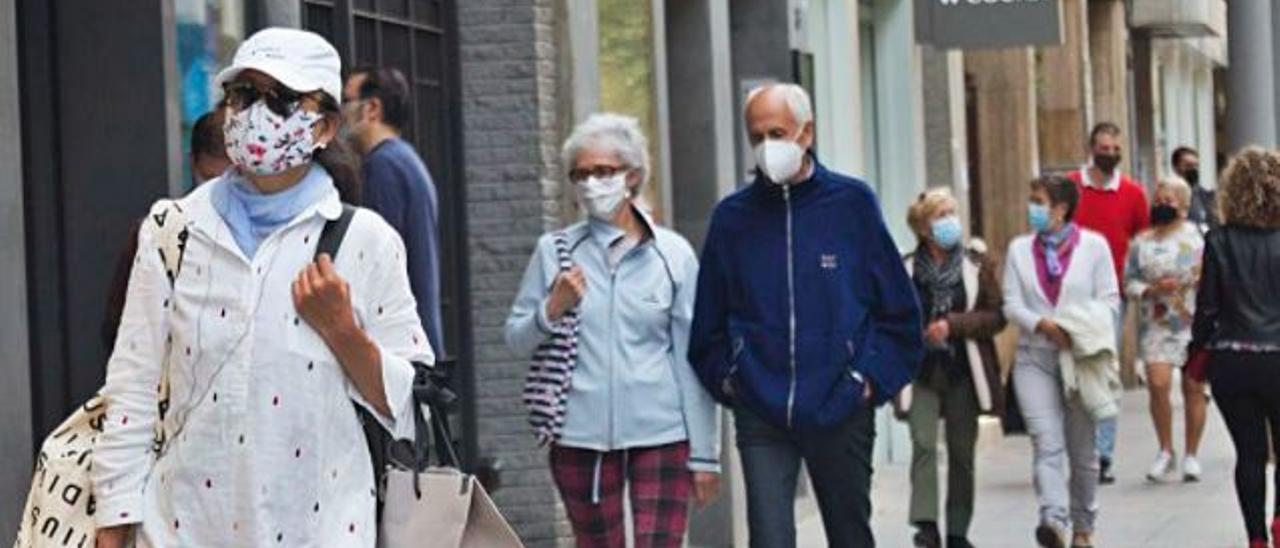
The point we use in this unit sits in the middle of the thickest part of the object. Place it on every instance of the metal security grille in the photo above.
(419, 37)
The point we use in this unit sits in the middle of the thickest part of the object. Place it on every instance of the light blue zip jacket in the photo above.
(632, 385)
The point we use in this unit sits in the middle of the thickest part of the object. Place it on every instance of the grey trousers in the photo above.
(957, 404)
(1062, 434)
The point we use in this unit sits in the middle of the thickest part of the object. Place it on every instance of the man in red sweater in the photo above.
(1115, 206)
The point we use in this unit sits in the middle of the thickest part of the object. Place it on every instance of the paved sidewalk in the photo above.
(1134, 513)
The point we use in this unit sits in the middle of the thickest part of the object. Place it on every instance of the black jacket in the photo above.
(1239, 296)
(1204, 208)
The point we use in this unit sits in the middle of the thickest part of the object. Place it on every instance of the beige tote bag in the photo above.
(441, 508)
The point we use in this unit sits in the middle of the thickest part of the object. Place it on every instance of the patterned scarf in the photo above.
(1053, 252)
(937, 282)
(253, 216)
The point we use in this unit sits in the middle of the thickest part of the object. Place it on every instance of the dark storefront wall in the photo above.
(99, 114)
(15, 437)
(97, 103)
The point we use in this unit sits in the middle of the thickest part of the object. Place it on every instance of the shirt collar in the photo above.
(606, 233)
(1111, 184)
(204, 217)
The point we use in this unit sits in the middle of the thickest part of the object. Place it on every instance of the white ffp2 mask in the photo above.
(779, 159)
(602, 196)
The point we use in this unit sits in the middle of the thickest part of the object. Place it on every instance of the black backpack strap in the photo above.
(330, 242)
(334, 231)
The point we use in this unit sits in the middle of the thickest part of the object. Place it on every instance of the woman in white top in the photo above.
(1058, 264)
(1162, 273)
(267, 349)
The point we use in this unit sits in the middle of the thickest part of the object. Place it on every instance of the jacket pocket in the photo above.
(859, 382)
(727, 384)
(761, 371)
(834, 387)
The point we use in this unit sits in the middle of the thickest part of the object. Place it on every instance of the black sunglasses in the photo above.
(281, 100)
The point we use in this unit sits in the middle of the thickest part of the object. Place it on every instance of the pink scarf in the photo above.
(1053, 255)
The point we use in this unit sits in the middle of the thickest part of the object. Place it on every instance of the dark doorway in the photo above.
(420, 38)
(96, 135)
(976, 227)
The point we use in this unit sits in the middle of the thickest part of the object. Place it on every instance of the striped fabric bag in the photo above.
(551, 372)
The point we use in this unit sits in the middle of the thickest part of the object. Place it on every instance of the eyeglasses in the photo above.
(281, 100)
(578, 175)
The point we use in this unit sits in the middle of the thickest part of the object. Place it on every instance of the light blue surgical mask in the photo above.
(1038, 217)
(947, 231)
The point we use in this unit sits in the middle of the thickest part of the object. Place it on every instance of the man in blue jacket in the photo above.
(805, 321)
(378, 104)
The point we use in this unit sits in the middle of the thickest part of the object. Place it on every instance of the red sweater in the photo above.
(1118, 215)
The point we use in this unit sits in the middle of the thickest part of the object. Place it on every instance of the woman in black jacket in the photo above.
(1237, 322)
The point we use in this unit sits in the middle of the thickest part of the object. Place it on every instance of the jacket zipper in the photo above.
(613, 278)
(791, 310)
(613, 307)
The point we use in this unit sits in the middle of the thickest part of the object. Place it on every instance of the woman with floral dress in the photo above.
(1162, 273)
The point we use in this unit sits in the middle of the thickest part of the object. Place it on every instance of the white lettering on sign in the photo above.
(988, 2)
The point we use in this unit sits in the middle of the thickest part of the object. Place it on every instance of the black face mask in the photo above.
(1191, 176)
(1163, 215)
(1106, 162)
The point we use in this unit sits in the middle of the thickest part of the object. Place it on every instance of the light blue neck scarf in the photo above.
(253, 216)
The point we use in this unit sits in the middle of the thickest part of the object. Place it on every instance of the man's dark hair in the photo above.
(391, 88)
(1061, 190)
(1179, 152)
(1103, 128)
(206, 136)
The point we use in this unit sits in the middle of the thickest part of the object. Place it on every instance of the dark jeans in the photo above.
(839, 463)
(1246, 387)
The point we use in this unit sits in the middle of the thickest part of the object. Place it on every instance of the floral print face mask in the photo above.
(262, 142)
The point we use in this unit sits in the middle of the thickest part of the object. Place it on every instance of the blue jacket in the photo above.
(802, 299)
(398, 186)
(632, 386)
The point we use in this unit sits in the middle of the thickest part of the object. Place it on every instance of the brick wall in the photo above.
(511, 52)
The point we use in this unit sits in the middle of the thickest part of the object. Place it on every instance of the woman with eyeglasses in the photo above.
(635, 418)
(267, 349)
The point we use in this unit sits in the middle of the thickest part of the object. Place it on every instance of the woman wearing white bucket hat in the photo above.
(266, 347)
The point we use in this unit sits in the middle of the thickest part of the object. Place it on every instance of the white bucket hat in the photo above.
(302, 61)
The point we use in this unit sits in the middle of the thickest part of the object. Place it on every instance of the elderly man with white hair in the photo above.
(805, 321)
(616, 292)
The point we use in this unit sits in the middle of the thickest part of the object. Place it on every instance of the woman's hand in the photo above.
(113, 537)
(1055, 333)
(1167, 285)
(323, 299)
(566, 292)
(706, 485)
(938, 332)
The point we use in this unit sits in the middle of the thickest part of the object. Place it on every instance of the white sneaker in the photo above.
(1190, 469)
(1163, 465)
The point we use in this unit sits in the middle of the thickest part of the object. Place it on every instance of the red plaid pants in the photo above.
(591, 484)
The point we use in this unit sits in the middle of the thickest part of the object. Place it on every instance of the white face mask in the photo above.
(602, 196)
(262, 142)
(779, 159)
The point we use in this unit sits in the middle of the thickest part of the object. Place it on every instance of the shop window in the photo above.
(627, 79)
(208, 32)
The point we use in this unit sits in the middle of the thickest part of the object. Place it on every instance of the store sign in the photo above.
(977, 24)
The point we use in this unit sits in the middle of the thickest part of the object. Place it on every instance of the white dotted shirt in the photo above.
(265, 448)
